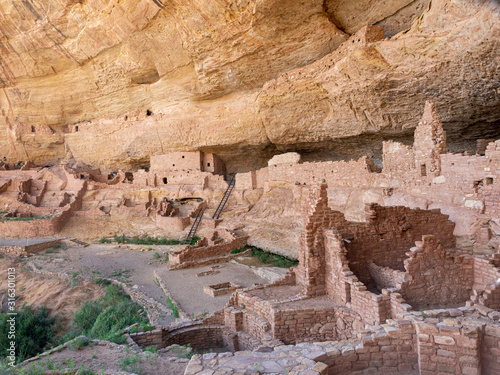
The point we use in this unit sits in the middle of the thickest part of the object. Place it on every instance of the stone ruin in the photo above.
(379, 297)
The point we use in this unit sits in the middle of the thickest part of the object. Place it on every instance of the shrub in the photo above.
(79, 343)
(105, 318)
(86, 316)
(101, 281)
(34, 332)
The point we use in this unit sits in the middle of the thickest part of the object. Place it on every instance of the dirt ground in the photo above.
(135, 265)
(57, 295)
(111, 359)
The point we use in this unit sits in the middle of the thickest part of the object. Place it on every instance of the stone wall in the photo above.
(28, 250)
(449, 349)
(389, 233)
(433, 274)
(314, 324)
(209, 249)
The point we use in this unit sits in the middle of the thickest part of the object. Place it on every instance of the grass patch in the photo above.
(101, 281)
(105, 318)
(79, 343)
(26, 218)
(55, 249)
(148, 240)
(267, 257)
(132, 364)
(120, 274)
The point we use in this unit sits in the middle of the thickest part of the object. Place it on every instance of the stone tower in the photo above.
(430, 142)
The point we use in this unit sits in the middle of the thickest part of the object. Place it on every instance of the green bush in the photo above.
(79, 343)
(35, 331)
(101, 281)
(274, 259)
(151, 240)
(86, 316)
(106, 318)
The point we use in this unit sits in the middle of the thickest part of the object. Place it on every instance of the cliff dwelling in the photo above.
(203, 188)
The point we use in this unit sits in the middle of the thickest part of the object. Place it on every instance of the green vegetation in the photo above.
(74, 280)
(156, 255)
(149, 240)
(79, 343)
(132, 364)
(184, 351)
(101, 281)
(267, 257)
(25, 218)
(173, 307)
(55, 248)
(41, 367)
(106, 318)
(35, 331)
(120, 274)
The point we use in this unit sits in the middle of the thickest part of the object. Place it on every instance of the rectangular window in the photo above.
(423, 170)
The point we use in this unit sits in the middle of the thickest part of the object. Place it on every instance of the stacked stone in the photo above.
(149, 338)
(448, 347)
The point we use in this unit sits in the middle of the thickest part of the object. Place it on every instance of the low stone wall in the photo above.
(208, 249)
(28, 250)
(198, 336)
(220, 289)
(149, 338)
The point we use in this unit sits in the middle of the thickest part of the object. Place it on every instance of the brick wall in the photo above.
(490, 350)
(226, 244)
(173, 224)
(449, 349)
(388, 234)
(314, 324)
(433, 275)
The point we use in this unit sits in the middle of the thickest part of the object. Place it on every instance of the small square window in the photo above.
(208, 164)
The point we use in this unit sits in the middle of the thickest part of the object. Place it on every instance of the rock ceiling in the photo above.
(243, 78)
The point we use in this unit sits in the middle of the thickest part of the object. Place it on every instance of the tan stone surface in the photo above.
(206, 72)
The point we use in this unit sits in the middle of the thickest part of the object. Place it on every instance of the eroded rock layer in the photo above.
(111, 82)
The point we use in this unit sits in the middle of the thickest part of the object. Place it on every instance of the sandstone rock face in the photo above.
(112, 82)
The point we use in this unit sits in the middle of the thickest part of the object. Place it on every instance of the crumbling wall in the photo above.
(398, 160)
(432, 276)
(221, 244)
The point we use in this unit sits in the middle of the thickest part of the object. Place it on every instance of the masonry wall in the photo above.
(192, 253)
(199, 336)
(398, 159)
(340, 173)
(449, 349)
(177, 161)
(389, 233)
(172, 224)
(314, 324)
(490, 350)
(392, 350)
(29, 249)
(433, 274)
